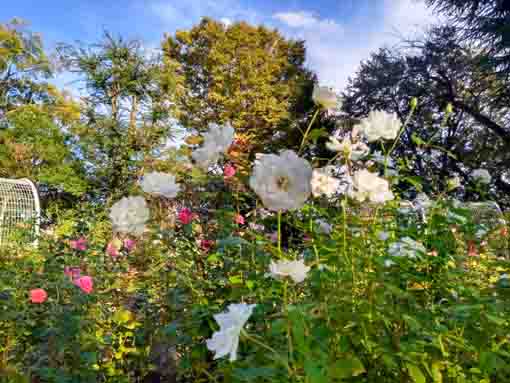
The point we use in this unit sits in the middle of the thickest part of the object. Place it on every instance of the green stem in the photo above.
(279, 233)
(265, 346)
(285, 308)
(408, 118)
(305, 136)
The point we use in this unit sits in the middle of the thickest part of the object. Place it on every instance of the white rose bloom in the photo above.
(216, 142)
(226, 340)
(406, 247)
(323, 226)
(352, 150)
(380, 125)
(282, 181)
(324, 97)
(129, 215)
(482, 176)
(369, 186)
(162, 184)
(323, 183)
(296, 270)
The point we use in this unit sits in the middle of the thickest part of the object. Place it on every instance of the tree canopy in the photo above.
(250, 76)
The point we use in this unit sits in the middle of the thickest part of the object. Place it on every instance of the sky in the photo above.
(338, 33)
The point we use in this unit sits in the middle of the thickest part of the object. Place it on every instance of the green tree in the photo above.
(33, 114)
(438, 72)
(125, 112)
(247, 75)
(486, 22)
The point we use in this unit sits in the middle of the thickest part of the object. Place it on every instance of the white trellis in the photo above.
(19, 208)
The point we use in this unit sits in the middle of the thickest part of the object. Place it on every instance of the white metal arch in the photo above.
(19, 208)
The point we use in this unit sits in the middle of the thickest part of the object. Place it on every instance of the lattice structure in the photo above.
(19, 210)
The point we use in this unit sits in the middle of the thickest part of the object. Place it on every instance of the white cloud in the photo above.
(296, 19)
(184, 14)
(335, 50)
(226, 21)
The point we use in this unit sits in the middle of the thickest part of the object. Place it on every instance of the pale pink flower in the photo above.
(239, 219)
(79, 244)
(38, 296)
(86, 284)
(228, 172)
(112, 249)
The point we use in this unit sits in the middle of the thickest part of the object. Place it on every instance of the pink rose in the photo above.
(239, 219)
(129, 244)
(112, 249)
(86, 284)
(185, 216)
(38, 296)
(228, 172)
(79, 244)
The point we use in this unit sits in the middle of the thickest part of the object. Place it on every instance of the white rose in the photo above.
(282, 182)
(352, 150)
(380, 125)
(324, 184)
(296, 270)
(216, 142)
(129, 215)
(324, 97)
(226, 340)
(160, 184)
(369, 186)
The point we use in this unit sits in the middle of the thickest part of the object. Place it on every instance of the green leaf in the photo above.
(415, 373)
(236, 279)
(122, 316)
(436, 373)
(347, 368)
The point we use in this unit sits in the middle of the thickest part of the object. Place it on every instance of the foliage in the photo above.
(249, 76)
(125, 116)
(437, 144)
(485, 22)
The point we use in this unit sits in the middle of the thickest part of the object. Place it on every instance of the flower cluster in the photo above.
(216, 142)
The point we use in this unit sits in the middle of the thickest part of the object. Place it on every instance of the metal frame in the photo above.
(19, 204)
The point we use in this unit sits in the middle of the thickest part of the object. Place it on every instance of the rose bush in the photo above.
(172, 285)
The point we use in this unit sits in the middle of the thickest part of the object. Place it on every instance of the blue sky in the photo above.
(339, 33)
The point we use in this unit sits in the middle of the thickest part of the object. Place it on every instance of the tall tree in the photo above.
(485, 22)
(33, 115)
(438, 71)
(125, 112)
(247, 75)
